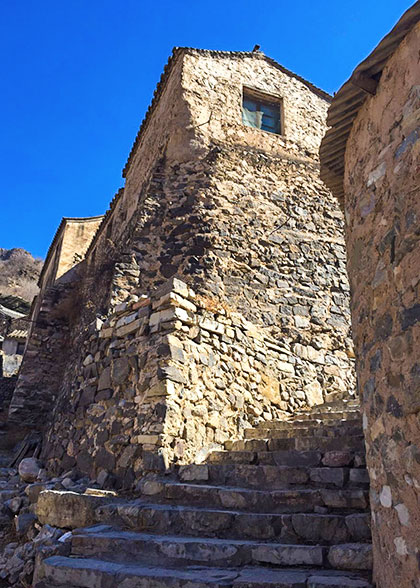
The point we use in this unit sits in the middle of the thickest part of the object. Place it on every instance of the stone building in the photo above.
(212, 295)
(12, 348)
(371, 160)
(13, 333)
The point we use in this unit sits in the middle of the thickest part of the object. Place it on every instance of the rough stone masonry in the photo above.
(386, 306)
(213, 295)
(380, 169)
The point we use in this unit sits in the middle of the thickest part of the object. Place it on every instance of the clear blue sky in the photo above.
(77, 77)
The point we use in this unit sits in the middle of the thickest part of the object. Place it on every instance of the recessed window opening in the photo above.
(261, 111)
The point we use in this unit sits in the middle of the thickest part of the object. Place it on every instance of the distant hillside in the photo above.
(19, 273)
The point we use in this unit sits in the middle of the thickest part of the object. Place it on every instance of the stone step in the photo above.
(278, 477)
(195, 521)
(284, 457)
(328, 418)
(121, 546)
(304, 443)
(339, 406)
(339, 403)
(313, 429)
(272, 478)
(310, 423)
(266, 501)
(62, 572)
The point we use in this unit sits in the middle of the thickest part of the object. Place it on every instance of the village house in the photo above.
(223, 193)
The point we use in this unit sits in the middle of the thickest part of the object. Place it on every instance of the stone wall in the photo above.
(167, 377)
(7, 385)
(383, 209)
(241, 218)
(44, 359)
(77, 236)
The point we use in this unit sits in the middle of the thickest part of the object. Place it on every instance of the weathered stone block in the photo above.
(337, 459)
(351, 556)
(130, 328)
(105, 379)
(24, 522)
(68, 509)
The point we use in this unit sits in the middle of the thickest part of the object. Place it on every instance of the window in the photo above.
(20, 348)
(261, 112)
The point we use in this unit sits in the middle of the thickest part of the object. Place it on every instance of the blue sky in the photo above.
(77, 77)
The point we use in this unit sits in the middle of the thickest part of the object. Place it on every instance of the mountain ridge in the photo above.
(19, 273)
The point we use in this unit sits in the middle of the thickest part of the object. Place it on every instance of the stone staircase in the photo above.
(286, 507)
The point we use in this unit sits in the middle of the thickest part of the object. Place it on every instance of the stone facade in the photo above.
(52, 311)
(214, 294)
(382, 209)
(382, 206)
(68, 248)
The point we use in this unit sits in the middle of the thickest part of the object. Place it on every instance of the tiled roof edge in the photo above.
(350, 98)
(105, 218)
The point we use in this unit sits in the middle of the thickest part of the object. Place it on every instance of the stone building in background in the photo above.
(12, 348)
(371, 160)
(13, 332)
(213, 293)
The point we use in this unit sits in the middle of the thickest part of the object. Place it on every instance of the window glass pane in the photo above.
(261, 115)
(271, 129)
(269, 120)
(272, 124)
(250, 104)
(270, 110)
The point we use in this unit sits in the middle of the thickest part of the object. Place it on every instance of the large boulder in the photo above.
(29, 469)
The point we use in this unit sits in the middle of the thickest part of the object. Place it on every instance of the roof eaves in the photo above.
(351, 97)
(10, 313)
(17, 334)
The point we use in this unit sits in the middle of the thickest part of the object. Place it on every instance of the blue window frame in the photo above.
(261, 114)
